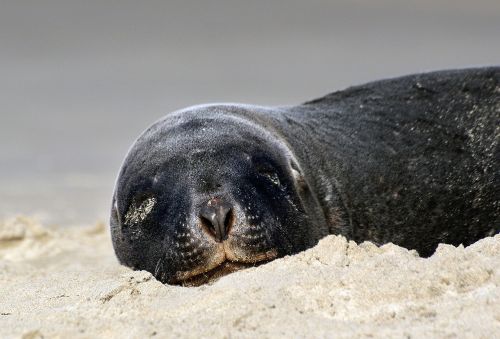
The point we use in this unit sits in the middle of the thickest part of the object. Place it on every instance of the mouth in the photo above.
(194, 279)
(214, 274)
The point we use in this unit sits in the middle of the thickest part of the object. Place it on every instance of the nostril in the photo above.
(229, 221)
(207, 226)
(216, 218)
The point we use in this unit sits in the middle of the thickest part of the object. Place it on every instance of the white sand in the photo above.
(67, 283)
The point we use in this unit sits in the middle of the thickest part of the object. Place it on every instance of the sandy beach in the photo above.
(65, 282)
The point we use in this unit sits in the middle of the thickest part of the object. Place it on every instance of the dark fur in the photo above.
(412, 160)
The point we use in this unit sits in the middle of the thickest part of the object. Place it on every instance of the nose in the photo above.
(217, 217)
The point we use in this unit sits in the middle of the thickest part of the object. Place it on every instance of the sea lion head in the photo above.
(205, 191)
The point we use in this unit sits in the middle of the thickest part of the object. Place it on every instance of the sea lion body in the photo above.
(214, 188)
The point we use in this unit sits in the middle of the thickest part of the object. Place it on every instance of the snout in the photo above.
(226, 240)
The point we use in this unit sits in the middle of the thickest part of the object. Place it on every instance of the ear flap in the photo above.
(298, 176)
(115, 220)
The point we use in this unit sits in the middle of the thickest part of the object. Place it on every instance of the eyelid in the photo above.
(273, 177)
(137, 212)
(265, 168)
(270, 172)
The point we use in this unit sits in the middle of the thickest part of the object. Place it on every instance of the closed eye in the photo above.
(138, 212)
(270, 175)
(273, 177)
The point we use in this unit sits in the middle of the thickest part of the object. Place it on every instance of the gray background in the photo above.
(79, 80)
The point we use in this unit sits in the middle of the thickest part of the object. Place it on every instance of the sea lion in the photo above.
(215, 188)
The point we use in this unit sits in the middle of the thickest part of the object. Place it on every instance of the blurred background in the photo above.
(80, 80)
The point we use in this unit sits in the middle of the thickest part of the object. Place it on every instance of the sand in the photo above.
(66, 283)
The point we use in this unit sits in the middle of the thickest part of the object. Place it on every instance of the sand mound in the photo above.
(67, 283)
